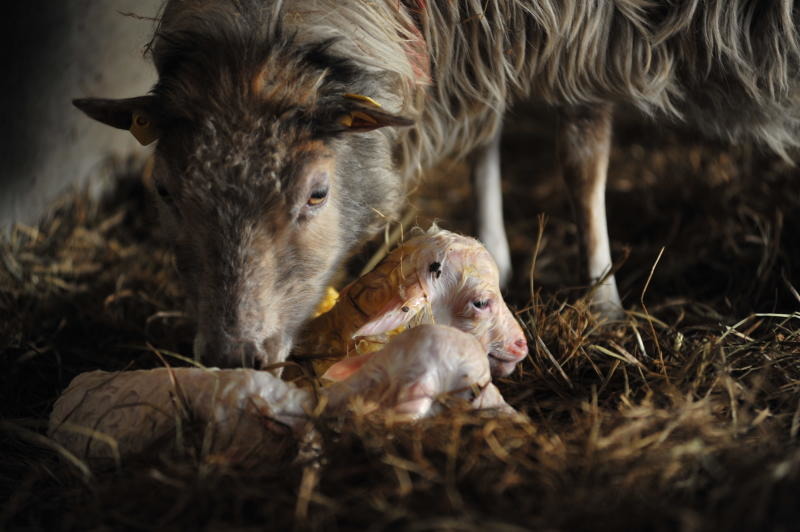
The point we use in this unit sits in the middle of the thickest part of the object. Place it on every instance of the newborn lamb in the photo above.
(414, 368)
(102, 414)
(142, 408)
(437, 277)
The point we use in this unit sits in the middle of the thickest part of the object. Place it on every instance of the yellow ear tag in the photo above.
(327, 303)
(363, 99)
(143, 129)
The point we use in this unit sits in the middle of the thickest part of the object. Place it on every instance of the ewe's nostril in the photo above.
(221, 349)
(274, 349)
(211, 349)
(250, 354)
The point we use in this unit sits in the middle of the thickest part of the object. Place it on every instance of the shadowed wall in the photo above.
(54, 52)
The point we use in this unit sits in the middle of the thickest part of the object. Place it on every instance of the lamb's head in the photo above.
(467, 296)
(416, 367)
(451, 279)
(266, 176)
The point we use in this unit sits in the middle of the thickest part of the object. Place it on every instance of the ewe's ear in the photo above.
(398, 311)
(364, 119)
(346, 367)
(357, 113)
(138, 115)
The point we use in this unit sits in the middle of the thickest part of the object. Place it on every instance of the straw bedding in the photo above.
(685, 416)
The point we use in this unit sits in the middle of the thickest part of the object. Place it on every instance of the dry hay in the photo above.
(686, 416)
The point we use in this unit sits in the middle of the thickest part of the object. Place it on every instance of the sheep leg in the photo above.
(584, 144)
(488, 198)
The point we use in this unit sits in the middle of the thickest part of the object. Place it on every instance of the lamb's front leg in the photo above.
(488, 196)
(584, 144)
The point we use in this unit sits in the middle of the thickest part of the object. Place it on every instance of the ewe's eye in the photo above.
(480, 304)
(317, 197)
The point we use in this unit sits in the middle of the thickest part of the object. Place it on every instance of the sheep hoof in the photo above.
(604, 300)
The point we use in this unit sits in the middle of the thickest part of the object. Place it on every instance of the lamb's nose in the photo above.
(519, 348)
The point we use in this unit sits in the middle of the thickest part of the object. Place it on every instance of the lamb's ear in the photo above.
(398, 311)
(346, 367)
(416, 398)
(139, 115)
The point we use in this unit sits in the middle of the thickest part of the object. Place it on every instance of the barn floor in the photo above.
(683, 417)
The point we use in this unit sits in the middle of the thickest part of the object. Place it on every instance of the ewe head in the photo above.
(267, 172)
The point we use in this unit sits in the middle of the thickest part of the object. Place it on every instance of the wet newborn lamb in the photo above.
(142, 409)
(136, 410)
(414, 368)
(436, 277)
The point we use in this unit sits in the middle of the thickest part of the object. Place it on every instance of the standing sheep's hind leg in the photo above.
(488, 196)
(584, 144)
